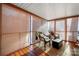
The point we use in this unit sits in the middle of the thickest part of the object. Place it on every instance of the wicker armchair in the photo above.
(43, 38)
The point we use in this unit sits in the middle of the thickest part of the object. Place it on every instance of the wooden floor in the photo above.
(67, 49)
(29, 51)
(36, 51)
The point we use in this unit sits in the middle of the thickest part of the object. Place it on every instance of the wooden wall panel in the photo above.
(14, 20)
(10, 43)
(15, 28)
(0, 26)
(24, 39)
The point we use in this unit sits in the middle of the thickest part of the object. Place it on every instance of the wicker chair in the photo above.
(43, 38)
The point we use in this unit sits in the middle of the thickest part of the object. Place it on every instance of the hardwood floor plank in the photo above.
(67, 49)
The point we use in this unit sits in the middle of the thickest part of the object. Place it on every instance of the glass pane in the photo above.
(60, 29)
(72, 28)
(72, 24)
(69, 36)
(69, 20)
(60, 25)
(61, 35)
(78, 30)
(76, 35)
(72, 36)
(78, 23)
(51, 26)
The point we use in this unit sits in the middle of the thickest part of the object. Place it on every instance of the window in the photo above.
(60, 25)
(51, 26)
(60, 28)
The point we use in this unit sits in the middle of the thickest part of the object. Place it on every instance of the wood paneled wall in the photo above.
(14, 20)
(15, 26)
(15, 29)
(0, 26)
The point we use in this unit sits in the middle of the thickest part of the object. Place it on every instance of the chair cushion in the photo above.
(45, 37)
(57, 40)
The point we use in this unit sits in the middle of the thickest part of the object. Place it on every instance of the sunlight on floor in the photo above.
(67, 51)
